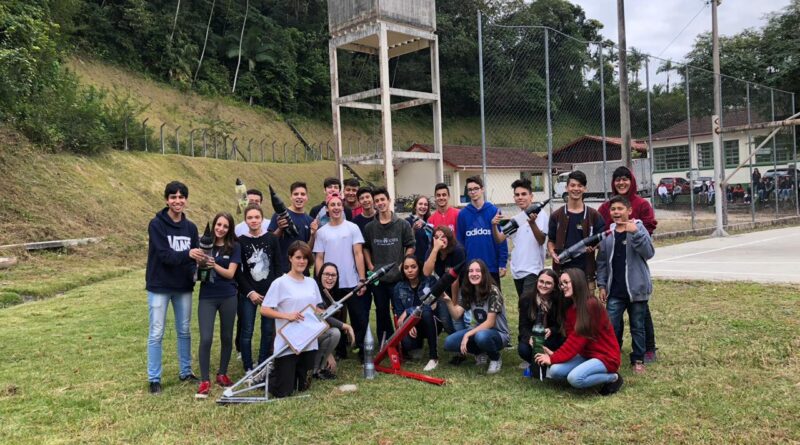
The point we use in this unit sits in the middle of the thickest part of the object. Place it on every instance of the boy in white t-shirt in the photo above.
(527, 259)
(340, 242)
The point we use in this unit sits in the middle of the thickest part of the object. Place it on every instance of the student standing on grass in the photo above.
(351, 186)
(419, 224)
(474, 231)
(341, 243)
(306, 226)
(527, 260)
(387, 239)
(320, 211)
(254, 196)
(444, 214)
(171, 255)
(483, 299)
(623, 183)
(218, 297)
(324, 360)
(368, 211)
(260, 267)
(408, 294)
(544, 299)
(590, 355)
(571, 223)
(284, 302)
(624, 278)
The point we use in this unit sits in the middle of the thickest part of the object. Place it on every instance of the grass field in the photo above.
(74, 372)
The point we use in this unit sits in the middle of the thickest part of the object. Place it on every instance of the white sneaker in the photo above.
(524, 365)
(432, 364)
(494, 366)
(481, 359)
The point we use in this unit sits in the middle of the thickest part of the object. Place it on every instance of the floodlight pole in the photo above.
(716, 128)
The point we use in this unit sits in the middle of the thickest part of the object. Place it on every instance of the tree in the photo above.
(241, 38)
(666, 67)
(205, 41)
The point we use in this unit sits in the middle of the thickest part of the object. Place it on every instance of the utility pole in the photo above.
(624, 102)
(716, 130)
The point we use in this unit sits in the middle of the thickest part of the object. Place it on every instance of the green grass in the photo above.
(74, 372)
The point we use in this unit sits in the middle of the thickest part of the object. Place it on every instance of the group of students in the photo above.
(266, 268)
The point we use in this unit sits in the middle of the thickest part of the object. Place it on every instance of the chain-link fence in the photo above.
(557, 96)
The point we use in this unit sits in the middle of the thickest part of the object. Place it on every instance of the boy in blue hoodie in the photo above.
(474, 231)
(171, 259)
(624, 277)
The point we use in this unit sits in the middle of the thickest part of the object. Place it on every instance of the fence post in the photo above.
(482, 96)
(284, 152)
(225, 145)
(549, 117)
(774, 153)
(234, 148)
(205, 145)
(249, 150)
(162, 137)
(191, 140)
(750, 163)
(650, 132)
(261, 148)
(214, 139)
(177, 140)
(127, 118)
(294, 149)
(273, 149)
(144, 132)
(689, 141)
(794, 156)
(603, 123)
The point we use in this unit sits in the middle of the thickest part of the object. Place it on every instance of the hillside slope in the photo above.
(48, 196)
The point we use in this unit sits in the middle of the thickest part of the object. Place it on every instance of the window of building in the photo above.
(448, 179)
(783, 149)
(672, 158)
(705, 154)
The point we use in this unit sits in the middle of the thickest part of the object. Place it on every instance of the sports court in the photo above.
(770, 256)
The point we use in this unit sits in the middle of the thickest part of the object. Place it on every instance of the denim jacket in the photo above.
(638, 250)
(405, 299)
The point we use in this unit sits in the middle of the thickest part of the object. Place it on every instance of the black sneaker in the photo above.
(457, 359)
(611, 388)
(326, 374)
(155, 387)
(190, 377)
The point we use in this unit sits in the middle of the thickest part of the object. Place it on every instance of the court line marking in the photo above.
(716, 250)
(707, 272)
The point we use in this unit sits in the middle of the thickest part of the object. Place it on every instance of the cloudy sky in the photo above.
(652, 24)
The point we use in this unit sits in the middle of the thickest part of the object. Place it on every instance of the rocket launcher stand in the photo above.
(237, 392)
(391, 348)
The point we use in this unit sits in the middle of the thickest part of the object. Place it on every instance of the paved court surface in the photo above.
(769, 256)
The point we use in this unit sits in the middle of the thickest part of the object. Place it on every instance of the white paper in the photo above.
(299, 334)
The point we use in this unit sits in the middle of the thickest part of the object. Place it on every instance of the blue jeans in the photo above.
(426, 329)
(182, 308)
(247, 313)
(486, 341)
(636, 314)
(581, 373)
(649, 331)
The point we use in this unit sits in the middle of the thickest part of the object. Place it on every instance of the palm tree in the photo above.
(666, 67)
(253, 49)
(635, 61)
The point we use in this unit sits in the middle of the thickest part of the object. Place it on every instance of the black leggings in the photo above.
(206, 314)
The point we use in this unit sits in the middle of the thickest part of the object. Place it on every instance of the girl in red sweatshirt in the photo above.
(590, 355)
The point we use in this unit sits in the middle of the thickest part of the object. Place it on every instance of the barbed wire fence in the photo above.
(557, 96)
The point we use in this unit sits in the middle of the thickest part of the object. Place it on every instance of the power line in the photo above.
(705, 5)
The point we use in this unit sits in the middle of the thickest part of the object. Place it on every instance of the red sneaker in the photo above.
(203, 390)
(224, 381)
(638, 367)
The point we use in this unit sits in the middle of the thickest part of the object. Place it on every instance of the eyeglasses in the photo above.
(473, 189)
(329, 275)
(546, 283)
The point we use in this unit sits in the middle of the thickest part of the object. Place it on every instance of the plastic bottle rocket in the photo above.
(579, 248)
(369, 355)
(206, 242)
(282, 212)
(537, 333)
(241, 196)
(510, 226)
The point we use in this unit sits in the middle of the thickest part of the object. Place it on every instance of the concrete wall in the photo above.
(416, 178)
(420, 13)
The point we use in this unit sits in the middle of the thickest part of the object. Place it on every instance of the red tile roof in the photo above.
(469, 157)
(639, 146)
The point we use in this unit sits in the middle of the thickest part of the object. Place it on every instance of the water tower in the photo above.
(388, 29)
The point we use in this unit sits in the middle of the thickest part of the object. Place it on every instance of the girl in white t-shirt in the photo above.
(285, 300)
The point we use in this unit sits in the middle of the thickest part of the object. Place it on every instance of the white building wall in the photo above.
(416, 178)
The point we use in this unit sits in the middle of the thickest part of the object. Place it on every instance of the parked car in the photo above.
(780, 172)
(675, 185)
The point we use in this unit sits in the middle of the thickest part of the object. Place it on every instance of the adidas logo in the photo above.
(479, 232)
